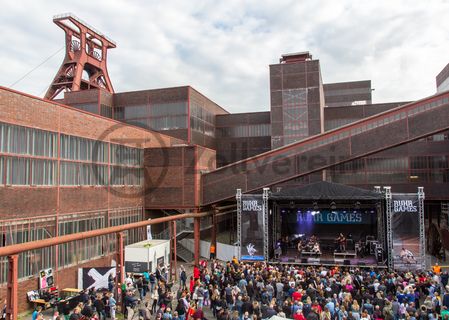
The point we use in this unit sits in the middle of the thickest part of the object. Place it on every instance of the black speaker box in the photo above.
(304, 260)
(291, 259)
(347, 262)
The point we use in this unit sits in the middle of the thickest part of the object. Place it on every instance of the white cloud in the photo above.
(223, 48)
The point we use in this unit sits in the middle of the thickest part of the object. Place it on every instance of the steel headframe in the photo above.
(422, 232)
(388, 216)
(85, 52)
(238, 197)
(265, 196)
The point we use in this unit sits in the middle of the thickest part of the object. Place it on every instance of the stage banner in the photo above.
(336, 217)
(405, 231)
(96, 278)
(252, 231)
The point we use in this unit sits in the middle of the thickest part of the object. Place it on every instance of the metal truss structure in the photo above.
(422, 232)
(388, 215)
(238, 197)
(85, 62)
(265, 222)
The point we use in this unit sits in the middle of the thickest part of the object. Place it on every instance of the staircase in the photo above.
(184, 253)
(184, 229)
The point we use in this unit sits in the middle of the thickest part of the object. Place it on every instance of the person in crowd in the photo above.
(183, 277)
(36, 313)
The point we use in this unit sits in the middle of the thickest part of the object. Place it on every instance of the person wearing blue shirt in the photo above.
(36, 313)
(330, 306)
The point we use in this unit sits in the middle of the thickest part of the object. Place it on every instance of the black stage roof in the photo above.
(325, 191)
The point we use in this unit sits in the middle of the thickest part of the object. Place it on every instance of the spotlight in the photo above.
(292, 204)
(315, 206)
(333, 205)
(357, 205)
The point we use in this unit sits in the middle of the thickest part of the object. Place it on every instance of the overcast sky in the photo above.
(223, 48)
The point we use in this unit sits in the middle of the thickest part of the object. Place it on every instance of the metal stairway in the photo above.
(184, 229)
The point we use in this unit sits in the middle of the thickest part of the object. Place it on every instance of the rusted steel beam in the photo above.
(33, 245)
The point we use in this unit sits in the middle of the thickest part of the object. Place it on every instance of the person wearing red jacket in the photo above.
(196, 272)
(299, 315)
(191, 285)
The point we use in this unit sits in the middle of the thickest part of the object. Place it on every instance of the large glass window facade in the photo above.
(84, 161)
(27, 141)
(201, 119)
(155, 116)
(241, 131)
(76, 148)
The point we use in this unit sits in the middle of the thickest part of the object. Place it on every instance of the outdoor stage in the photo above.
(330, 224)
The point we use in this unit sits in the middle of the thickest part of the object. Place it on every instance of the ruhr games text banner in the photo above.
(252, 236)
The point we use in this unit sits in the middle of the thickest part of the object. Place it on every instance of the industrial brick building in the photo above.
(94, 158)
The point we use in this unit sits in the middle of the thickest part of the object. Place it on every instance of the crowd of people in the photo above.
(242, 291)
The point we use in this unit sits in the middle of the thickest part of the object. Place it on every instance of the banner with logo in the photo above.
(405, 231)
(252, 234)
(335, 217)
(96, 278)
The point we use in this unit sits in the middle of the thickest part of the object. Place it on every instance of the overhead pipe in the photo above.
(39, 244)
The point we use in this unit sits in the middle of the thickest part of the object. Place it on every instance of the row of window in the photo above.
(394, 164)
(82, 174)
(201, 126)
(344, 92)
(38, 172)
(151, 110)
(22, 140)
(124, 155)
(382, 178)
(197, 111)
(253, 130)
(27, 141)
(77, 148)
(30, 263)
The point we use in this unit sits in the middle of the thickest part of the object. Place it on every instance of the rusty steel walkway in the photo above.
(385, 130)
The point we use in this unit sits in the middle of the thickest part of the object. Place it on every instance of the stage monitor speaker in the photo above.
(304, 260)
(291, 259)
(362, 264)
(379, 254)
(347, 262)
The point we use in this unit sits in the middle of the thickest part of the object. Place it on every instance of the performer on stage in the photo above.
(300, 247)
(341, 241)
(316, 248)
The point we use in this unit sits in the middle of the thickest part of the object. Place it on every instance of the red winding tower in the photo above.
(85, 63)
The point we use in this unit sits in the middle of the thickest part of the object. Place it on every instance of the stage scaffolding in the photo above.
(265, 213)
(389, 217)
(422, 234)
(388, 202)
(238, 197)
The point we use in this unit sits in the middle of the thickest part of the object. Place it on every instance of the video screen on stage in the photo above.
(405, 232)
(252, 235)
